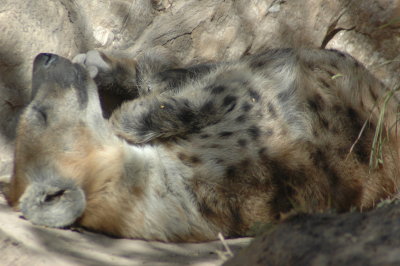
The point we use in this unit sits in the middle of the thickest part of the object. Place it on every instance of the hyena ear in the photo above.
(53, 205)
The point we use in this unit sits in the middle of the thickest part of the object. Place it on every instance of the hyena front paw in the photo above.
(94, 61)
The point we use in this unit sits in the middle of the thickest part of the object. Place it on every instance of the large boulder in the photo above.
(353, 239)
(194, 31)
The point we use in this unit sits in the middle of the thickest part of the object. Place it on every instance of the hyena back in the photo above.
(205, 149)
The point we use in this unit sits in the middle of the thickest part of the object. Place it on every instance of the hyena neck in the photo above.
(146, 184)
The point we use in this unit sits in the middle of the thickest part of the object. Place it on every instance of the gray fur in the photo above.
(55, 203)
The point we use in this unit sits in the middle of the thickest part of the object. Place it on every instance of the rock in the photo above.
(368, 238)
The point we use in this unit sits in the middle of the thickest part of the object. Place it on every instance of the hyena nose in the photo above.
(46, 59)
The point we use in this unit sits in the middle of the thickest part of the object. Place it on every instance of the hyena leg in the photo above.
(167, 115)
(115, 78)
(130, 77)
(111, 74)
(120, 79)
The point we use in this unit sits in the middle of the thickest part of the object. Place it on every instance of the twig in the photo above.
(227, 254)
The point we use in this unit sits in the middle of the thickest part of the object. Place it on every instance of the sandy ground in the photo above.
(22, 243)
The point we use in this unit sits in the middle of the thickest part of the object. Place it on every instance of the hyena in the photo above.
(209, 148)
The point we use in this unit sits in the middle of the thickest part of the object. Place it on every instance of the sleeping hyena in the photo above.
(204, 149)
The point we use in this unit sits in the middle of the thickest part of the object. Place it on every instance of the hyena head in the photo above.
(59, 123)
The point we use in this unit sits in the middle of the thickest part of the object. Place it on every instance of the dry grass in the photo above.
(381, 135)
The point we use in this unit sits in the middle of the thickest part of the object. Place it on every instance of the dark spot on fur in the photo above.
(342, 152)
(230, 109)
(330, 73)
(186, 102)
(322, 161)
(285, 180)
(236, 220)
(146, 124)
(206, 210)
(334, 65)
(343, 195)
(317, 103)
(352, 114)
(246, 107)
(205, 136)
(228, 100)
(362, 147)
(262, 153)
(182, 156)
(254, 131)
(339, 53)
(189, 159)
(240, 119)
(324, 83)
(269, 132)
(257, 64)
(186, 137)
(271, 110)
(186, 115)
(208, 108)
(218, 90)
(337, 108)
(242, 142)
(272, 55)
(195, 160)
(324, 122)
(286, 95)
(312, 105)
(310, 65)
(214, 146)
(219, 161)
(230, 172)
(172, 78)
(254, 95)
(335, 129)
(225, 134)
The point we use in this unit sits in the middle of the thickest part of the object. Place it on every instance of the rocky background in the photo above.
(194, 31)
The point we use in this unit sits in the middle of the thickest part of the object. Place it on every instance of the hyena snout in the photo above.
(56, 203)
(46, 59)
(53, 74)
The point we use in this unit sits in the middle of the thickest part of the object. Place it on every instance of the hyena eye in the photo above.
(41, 113)
(54, 196)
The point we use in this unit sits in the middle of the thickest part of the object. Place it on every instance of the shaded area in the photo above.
(369, 238)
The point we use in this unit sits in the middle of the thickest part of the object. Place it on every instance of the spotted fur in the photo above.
(205, 149)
